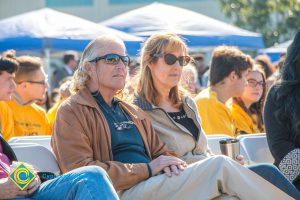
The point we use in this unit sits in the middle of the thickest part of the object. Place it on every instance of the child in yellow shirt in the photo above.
(215, 116)
(229, 67)
(31, 80)
(29, 120)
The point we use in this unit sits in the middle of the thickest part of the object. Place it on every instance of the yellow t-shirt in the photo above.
(29, 120)
(7, 122)
(51, 114)
(242, 120)
(215, 116)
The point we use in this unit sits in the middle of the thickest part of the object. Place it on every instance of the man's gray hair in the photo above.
(91, 51)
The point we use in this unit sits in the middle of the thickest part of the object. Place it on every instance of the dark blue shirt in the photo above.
(127, 144)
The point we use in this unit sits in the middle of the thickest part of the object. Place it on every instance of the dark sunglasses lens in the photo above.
(170, 59)
(125, 60)
(184, 60)
(112, 59)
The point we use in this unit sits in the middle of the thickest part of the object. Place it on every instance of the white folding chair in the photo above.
(41, 140)
(37, 155)
(213, 142)
(251, 135)
(256, 148)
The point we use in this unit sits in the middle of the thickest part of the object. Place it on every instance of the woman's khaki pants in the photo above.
(207, 179)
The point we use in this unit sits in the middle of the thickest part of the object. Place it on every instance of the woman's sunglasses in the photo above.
(170, 59)
(113, 59)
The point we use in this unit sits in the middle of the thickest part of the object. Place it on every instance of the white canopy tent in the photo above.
(198, 29)
(49, 29)
(275, 51)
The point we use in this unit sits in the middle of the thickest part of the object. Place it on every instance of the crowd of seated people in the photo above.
(80, 183)
(152, 136)
(172, 110)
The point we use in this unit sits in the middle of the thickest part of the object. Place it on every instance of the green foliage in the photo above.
(277, 20)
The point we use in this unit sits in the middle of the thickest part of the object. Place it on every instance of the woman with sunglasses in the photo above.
(176, 120)
(247, 109)
(282, 115)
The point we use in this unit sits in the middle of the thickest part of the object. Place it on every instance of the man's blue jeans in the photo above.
(88, 183)
(273, 175)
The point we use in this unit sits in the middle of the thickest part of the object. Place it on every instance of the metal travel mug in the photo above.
(230, 147)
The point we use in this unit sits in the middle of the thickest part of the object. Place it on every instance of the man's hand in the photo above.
(167, 164)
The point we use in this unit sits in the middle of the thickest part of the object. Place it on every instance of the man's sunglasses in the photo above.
(113, 59)
(170, 59)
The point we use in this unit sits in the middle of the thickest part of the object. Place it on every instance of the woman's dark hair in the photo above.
(287, 90)
(8, 64)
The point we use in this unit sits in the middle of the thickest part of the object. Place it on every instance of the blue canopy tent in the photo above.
(49, 29)
(275, 51)
(198, 29)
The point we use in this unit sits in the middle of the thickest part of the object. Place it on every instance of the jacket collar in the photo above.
(68, 70)
(98, 96)
(143, 103)
(84, 97)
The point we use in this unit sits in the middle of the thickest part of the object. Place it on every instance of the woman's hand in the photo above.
(167, 164)
(8, 190)
(31, 188)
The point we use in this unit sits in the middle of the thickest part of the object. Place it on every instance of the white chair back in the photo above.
(39, 156)
(256, 148)
(41, 140)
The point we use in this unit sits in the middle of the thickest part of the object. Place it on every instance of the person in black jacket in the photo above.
(282, 116)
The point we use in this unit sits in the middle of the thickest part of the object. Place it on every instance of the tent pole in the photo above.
(47, 62)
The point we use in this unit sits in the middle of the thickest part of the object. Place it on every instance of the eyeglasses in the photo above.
(170, 59)
(113, 59)
(253, 83)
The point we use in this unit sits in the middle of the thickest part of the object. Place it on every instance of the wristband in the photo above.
(149, 169)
